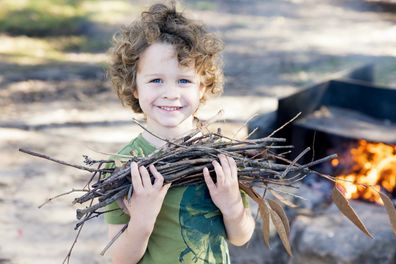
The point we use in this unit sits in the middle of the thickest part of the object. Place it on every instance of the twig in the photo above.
(113, 239)
(55, 160)
(62, 194)
(244, 125)
(288, 122)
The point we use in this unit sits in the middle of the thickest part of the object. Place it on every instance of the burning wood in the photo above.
(367, 169)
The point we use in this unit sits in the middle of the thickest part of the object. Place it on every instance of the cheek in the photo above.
(144, 103)
(194, 98)
(146, 96)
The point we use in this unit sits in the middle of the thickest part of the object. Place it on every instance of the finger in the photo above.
(145, 177)
(126, 203)
(219, 172)
(233, 167)
(135, 177)
(164, 190)
(166, 187)
(159, 179)
(124, 206)
(226, 167)
(208, 180)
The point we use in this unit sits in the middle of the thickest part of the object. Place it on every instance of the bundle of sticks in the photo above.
(181, 162)
(261, 163)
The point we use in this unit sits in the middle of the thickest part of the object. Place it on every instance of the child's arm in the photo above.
(225, 194)
(144, 206)
(131, 245)
(239, 225)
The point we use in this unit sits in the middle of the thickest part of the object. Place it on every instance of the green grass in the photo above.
(92, 44)
(43, 17)
(62, 25)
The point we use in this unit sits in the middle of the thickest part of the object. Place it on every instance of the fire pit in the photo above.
(356, 119)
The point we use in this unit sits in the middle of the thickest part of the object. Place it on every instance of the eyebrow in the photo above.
(159, 74)
(153, 74)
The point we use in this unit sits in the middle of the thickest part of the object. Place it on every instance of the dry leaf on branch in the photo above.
(390, 209)
(343, 205)
(279, 210)
(281, 230)
(265, 216)
(283, 199)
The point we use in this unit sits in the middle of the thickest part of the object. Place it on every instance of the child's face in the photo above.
(168, 93)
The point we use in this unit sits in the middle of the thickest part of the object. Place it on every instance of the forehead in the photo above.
(161, 57)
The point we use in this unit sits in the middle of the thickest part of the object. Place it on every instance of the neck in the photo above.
(168, 133)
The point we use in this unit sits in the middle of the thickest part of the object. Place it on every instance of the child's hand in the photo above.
(225, 192)
(147, 198)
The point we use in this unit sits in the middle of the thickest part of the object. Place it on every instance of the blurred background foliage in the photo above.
(44, 17)
(63, 25)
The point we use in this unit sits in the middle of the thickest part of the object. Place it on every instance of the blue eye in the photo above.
(156, 81)
(184, 81)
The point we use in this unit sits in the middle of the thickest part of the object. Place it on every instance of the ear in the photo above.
(202, 90)
(135, 93)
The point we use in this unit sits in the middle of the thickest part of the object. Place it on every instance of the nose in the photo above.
(171, 92)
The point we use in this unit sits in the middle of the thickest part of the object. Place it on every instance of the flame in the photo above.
(371, 164)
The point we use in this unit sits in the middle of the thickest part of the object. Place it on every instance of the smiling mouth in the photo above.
(170, 108)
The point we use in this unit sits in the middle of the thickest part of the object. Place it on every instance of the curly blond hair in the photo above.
(194, 45)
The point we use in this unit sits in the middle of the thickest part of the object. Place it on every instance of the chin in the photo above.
(171, 123)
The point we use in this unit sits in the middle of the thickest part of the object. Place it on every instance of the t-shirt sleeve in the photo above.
(114, 214)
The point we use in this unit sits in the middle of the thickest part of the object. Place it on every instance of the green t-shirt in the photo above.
(189, 227)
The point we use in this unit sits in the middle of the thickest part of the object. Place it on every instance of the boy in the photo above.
(163, 65)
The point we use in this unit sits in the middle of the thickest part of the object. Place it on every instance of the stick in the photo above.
(55, 160)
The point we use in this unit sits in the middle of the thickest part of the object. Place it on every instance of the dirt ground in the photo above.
(273, 48)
